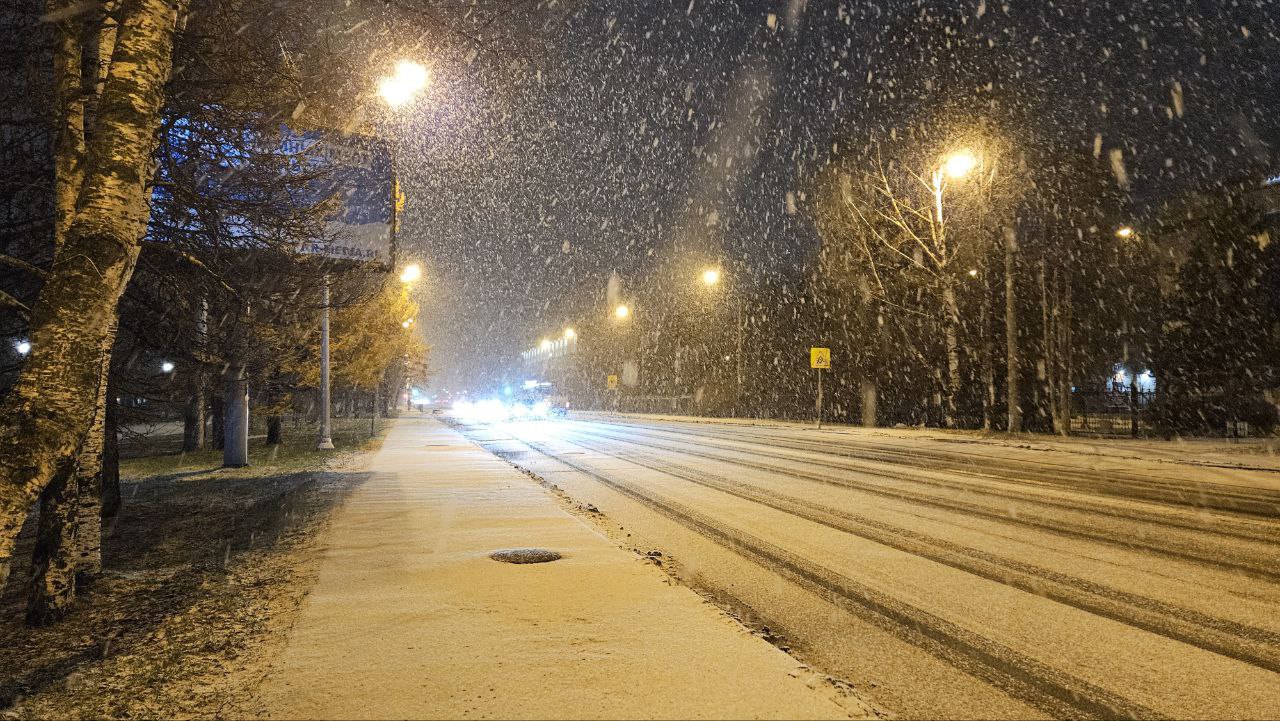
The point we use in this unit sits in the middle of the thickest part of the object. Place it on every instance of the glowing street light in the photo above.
(411, 273)
(400, 89)
(546, 344)
(621, 312)
(570, 334)
(23, 347)
(960, 164)
(973, 272)
(711, 276)
(1125, 233)
(166, 367)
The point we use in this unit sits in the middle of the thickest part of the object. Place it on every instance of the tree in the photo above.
(1216, 352)
(47, 414)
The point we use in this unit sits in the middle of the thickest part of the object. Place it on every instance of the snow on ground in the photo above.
(1253, 462)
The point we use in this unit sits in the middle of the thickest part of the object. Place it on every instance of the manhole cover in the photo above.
(525, 555)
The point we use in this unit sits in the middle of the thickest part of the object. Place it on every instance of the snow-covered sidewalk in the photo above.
(410, 618)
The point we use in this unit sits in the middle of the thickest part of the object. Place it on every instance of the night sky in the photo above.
(617, 135)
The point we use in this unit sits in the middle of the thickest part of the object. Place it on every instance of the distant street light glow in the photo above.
(1125, 233)
(166, 367)
(973, 272)
(546, 344)
(411, 273)
(400, 89)
(570, 334)
(960, 164)
(711, 276)
(621, 312)
(23, 347)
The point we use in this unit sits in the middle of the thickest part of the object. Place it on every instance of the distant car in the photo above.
(539, 400)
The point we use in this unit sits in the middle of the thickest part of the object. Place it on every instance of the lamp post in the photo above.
(396, 91)
(326, 431)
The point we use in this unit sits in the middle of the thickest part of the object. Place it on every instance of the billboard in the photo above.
(356, 179)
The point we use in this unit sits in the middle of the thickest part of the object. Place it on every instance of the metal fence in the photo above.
(1111, 412)
(1129, 413)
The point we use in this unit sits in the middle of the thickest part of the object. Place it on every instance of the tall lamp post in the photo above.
(396, 91)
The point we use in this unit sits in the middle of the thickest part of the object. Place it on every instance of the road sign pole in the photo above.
(819, 360)
(819, 398)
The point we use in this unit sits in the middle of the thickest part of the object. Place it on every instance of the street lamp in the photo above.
(546, 344)
(166, 367)
(570, 334)
(711, 276)
(1125, 233)
(23, 347)
(621, 312)
(400, 89)
(960, 164)
(411, 273)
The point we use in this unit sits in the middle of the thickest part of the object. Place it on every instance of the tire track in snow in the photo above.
(1051, 690)
(1262, 569)
(1200, 494)
(1249, 644)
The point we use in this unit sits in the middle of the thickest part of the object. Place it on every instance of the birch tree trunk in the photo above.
(52, 564)
(89, 465)
(951, 334)
(52, 572)
(988, 354)
(110, 456)
(48, 412)
(1013, 397)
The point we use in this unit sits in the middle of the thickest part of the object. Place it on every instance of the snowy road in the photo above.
(953, 579)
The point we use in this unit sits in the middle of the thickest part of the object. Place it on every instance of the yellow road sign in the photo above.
(613, 382)
(820, 358)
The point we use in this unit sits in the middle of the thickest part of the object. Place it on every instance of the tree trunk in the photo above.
(89, 465)
(951, 331)
(111, 457)
(1013, 397)
(53, 571)
(869, 393)
(274, 423)
(71, 518)
(218, 428)
(48, 411)
(52, 586)
(69, 103)
(193, 420)
(988, 354)
(235, 449)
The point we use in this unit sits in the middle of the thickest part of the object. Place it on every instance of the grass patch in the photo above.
(296, 453)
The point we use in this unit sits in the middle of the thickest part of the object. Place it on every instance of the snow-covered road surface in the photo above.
(953, 580)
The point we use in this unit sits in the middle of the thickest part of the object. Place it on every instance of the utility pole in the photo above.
(326, 431)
